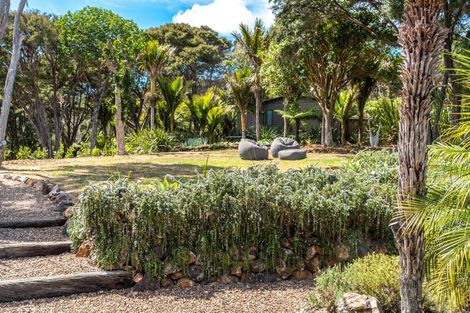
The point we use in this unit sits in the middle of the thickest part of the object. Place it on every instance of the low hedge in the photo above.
(222, 215)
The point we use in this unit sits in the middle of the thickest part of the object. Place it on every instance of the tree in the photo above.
(329, 49)
(421, 39)
(239, 87)
(283, 73)
(153, 59)
(10, 79)
(444, 213)
(173, 92)
(198, 53)
(294, 114)
(254, 43)
(344, 110)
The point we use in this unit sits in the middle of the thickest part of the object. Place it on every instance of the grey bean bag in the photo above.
(250, 150)
(292, 154)
(283, 143)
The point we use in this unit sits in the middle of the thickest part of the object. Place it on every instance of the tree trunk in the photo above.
(153, 103)
(327, 127)
(421, 39)
(297, 130)
(258, 103)
(120, 132)
(285, 120)
(243, 124)
(344, 131)
(4, 11)
(10, 79)
(94, 123)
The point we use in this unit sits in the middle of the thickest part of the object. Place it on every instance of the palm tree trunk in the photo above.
(153, 103)
(285, 120)
(10, 79)
(120, 131)
(258, 103)
(421, 39)
(327, 127)
(297, 130)
(243, 124)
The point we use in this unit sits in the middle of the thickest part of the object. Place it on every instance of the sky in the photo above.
(223, 16)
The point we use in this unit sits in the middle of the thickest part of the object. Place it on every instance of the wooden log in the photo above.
(63, 285)
(31, 249)
(38, 223)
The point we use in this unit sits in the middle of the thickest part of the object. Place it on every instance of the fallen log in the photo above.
(63, 285)
(37, 223)
(31, 249)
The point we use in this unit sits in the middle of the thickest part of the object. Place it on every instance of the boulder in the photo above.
(312, 252)
(196, 273)
(177, 275)
(281, 269)
(248, 278)
(292, 154)
(258, 266)
(42, 187)
(314, 264)
(63, 205)
(185, 283)
(267, 277)
(228, 279)
(167, 283)
(250, 150)
(283, 143)
(343, 252)
(237, 270)
(352, 302)
(84, 250)
(302, 275)
(143, 283)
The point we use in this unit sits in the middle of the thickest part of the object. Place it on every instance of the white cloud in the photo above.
(224, 16)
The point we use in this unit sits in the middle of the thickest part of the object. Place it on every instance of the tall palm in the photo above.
(445, 212)
(153, 58)
(239, 87)
(421, 39)
(174, 92)
(254, 42)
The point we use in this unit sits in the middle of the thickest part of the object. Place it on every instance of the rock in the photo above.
(177, 275)
(302, 275)
(214, 282)
(312, 252)
(28, 181)
(267, 277)
(42, 186)
(248, 278)
(192, 258)
(167, 283)
(137, 277)
(196, 273)
(143, 283)
(281, 269)
(68, 213)
(314, 265)
(84, 250)
(300, 265)
(362, 251)
(352, 302)
(286, 243)
(54, 191)
(342, 252)
(169, 268)
(237, 270)
(252, 253)
(185, 283)
(63, 196)
(228, 279)
(63, 205)
(257, 266)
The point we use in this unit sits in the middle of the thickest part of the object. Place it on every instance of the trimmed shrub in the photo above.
(220, 216)
(23, 153)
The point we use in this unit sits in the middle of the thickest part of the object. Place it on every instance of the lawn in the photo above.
(74, 174)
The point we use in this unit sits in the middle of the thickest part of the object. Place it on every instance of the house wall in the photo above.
(277, 121)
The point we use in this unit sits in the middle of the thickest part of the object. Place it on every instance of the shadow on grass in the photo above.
(73, 178)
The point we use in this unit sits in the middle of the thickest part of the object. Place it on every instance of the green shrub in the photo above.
(23, 153)
(376, 275)
(222, 214)
(148, 141)
(268, 134)
(39, 153)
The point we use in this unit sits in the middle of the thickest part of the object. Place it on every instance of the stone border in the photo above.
(60, 198)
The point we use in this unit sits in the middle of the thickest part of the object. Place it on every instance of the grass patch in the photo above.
(74, 174)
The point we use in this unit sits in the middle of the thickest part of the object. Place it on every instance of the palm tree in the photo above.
(174, 92)
(239, 87)
(421, 39)
(444, 213)
(294, 114)
(344, 110)
(153, 59)
(253, 44)
(199, 107)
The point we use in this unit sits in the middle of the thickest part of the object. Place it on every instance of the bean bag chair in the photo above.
(283, 143)
(250, 150)
(293, 154)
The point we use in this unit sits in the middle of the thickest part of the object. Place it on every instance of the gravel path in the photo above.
(19, 201)
(32, 234)
(279, 297)
(65, 263)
